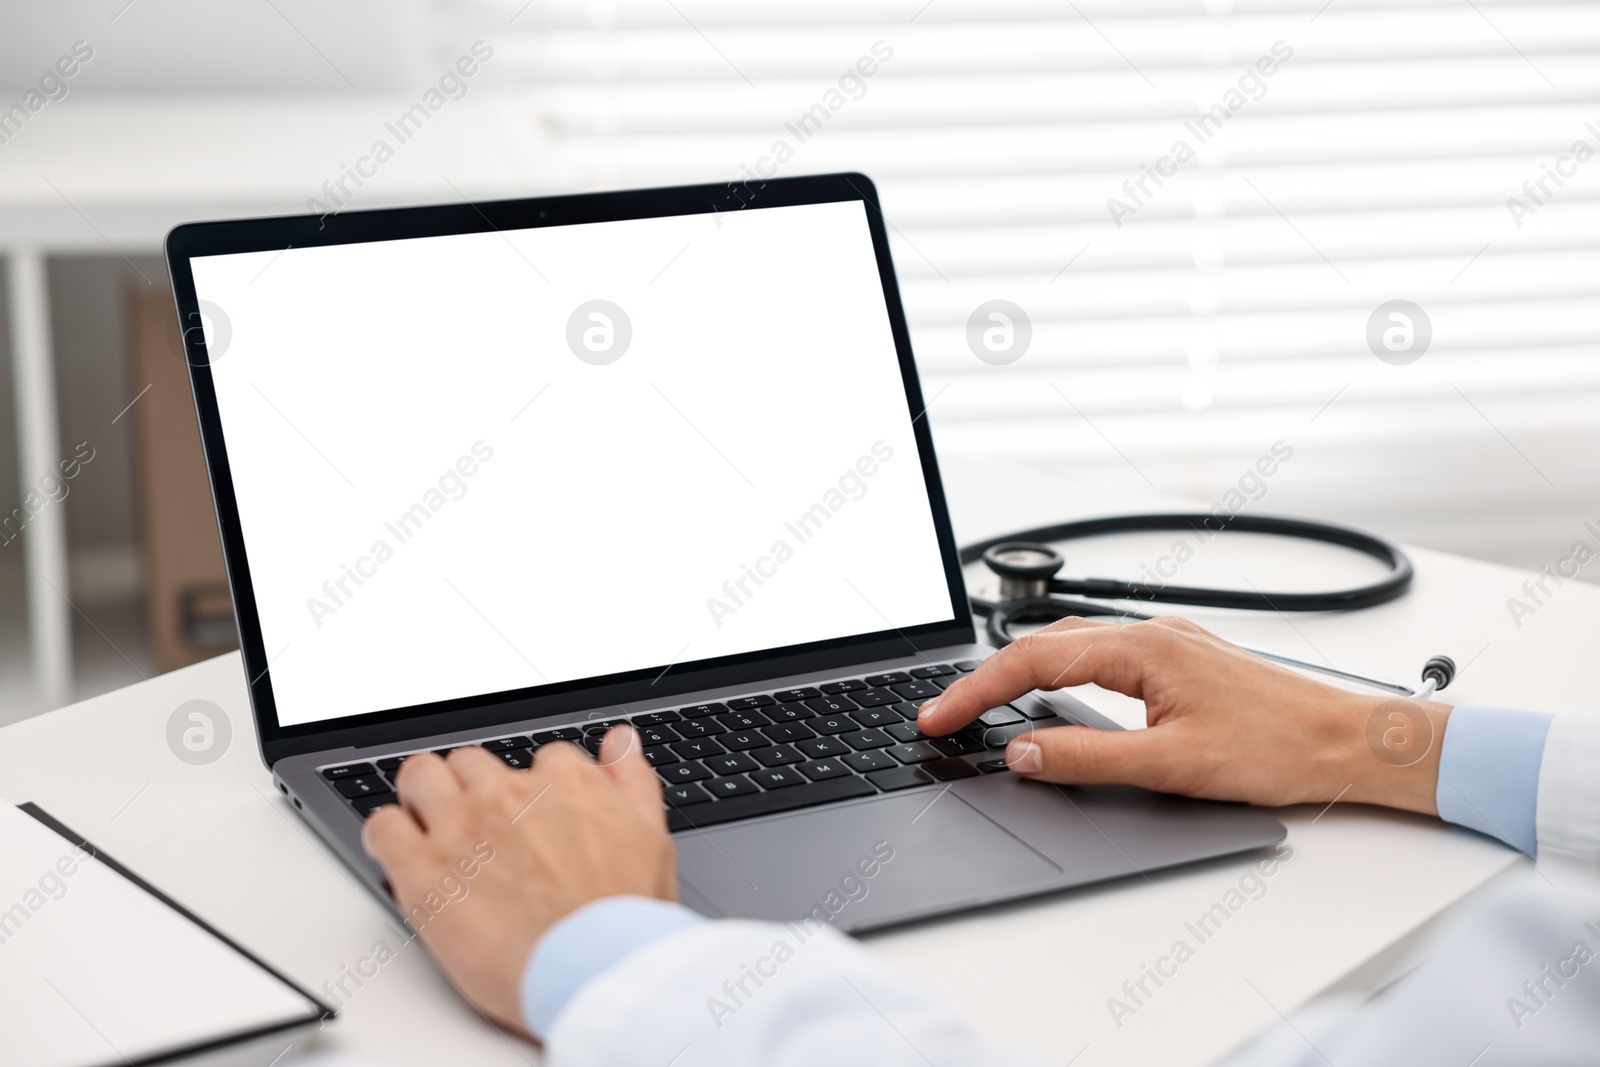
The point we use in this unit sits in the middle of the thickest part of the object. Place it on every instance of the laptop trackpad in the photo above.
(859, 865)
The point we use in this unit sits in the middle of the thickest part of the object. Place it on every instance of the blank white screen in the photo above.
(567, 520)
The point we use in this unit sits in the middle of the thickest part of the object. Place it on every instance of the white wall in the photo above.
(209, 46)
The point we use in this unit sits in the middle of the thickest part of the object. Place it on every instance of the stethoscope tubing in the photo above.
(1000, 615)
(1392, 585)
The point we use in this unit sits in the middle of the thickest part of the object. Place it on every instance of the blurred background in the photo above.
(1203, 209)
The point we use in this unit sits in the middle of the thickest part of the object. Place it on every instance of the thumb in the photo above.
(1079, 755)
(622, 756)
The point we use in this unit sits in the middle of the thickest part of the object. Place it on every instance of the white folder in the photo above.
(97, 967)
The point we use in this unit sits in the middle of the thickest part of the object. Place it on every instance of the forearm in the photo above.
(1478, 767)
(1392, 750)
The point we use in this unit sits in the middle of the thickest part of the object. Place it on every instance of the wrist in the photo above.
(1392, 752)
(587, 942)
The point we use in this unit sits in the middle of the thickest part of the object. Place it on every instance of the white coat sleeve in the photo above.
(740, 994)
(1568, 820)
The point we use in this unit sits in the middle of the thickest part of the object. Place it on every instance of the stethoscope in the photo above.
(1031, 592)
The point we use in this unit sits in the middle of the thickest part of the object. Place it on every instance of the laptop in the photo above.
(505, 474)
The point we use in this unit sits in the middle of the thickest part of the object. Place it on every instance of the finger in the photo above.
(1048, 659)
(476, 768)
(558, 753)
(429, 790)
(394, 841)
(1079, 755)
(623, 758)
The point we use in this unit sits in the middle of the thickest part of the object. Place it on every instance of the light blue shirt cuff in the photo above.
(1489, 772)
(587, 942)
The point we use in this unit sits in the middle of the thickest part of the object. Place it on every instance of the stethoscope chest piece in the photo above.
(1023, 567)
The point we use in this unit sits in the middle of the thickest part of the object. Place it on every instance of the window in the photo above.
(1202, 209)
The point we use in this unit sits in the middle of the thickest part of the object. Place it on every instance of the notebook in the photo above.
(97, 967)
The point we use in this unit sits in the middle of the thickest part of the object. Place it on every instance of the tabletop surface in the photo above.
(220, 840)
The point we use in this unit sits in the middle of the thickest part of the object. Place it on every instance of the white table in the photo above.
(220, 840)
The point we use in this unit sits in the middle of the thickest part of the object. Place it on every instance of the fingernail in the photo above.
(1025, 757)
(927, 709)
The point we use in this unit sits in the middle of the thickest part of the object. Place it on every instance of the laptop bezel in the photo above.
(193, 240)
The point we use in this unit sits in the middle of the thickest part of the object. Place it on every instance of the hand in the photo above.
(483, 859)
(1223, 723)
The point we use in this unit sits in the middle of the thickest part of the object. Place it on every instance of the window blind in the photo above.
(1200, 208)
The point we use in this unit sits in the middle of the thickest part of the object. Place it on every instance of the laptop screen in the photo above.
(483, 462)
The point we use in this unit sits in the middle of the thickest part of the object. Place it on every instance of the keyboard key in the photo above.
(849, 685)
(788, 799)
(700, 711)
(657, 735)
(943, 682)
(1001, 736)
(965, 666)
(834, 724)
(506, 744)
(875, 716)
(748, 703)
(361, 786)
(368, 804)
(1004, 715)
(892, 678)
(655, 718)
(790, 712)
(905, 732)
(519, 759)
(1034, 709)
(776, 755)
(743, 720)
(868, 761)
(697, 748)
(936, 670)
(679, 773)
(831, 705)
(871, 698)
(777, 778)
(788, 731)
(744, 739)
(732, 763)
(660, 756)
(949, 769)
(958, 745)
(899, 778)
(349, 770)
(682, 795)
(817, 770)
(865, 739)
(805, 692)
(730, 787)
(699, 727)
(391, 765)
(915, 752)
(560, 733)
(990, 766)
(818, 747)
(915, 691)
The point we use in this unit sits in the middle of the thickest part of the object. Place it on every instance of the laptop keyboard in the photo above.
(768, 752)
